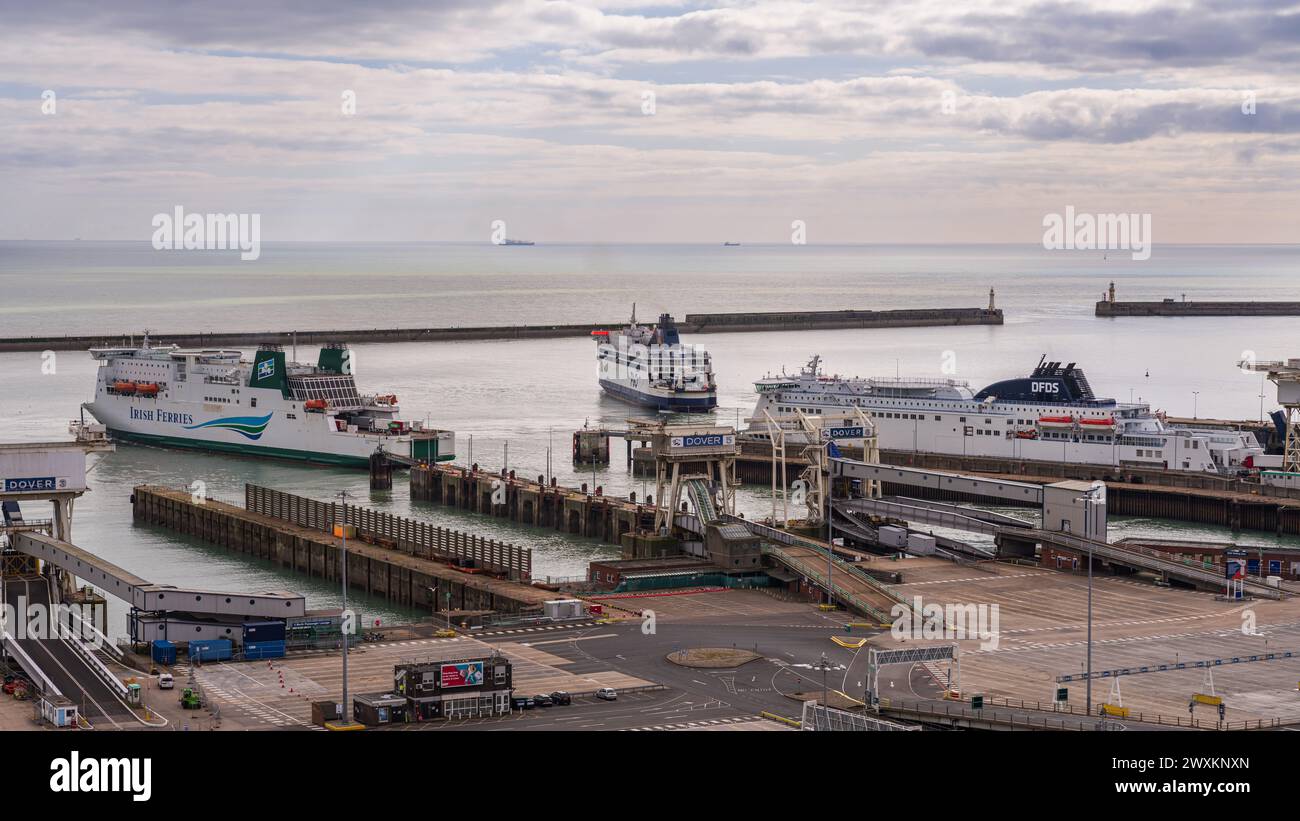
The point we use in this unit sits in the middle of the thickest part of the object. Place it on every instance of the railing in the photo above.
(1130, 554)
(25, 661)
(813, 570)
(1145, 718)
(775, 535)
(410, 536)
(96, 666)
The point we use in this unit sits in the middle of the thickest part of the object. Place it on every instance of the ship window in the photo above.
(962, 419)
(253, 402)
(938, 418)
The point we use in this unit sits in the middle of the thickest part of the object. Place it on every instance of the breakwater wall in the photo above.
(1170, 307)
(694, 323)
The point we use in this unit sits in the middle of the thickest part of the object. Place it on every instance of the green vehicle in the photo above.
(190, 700)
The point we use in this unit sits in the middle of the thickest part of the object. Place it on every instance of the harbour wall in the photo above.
(402, 569)
(1171, 307)
(694, 323)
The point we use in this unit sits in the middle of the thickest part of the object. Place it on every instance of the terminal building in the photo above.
(459, 688)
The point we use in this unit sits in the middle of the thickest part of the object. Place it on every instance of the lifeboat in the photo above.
(387, 399)
(1105, 422)
(127, 388)
(600, 333)
(1026, 434)
(147, 389)
(1055, 421)
(314, 405)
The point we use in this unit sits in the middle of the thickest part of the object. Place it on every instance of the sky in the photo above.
(869, 121)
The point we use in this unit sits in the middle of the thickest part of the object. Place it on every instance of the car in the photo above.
(445, 634)
(561, 698)
(165, 681)
(543, 700)
(521, 703)
(607, 694)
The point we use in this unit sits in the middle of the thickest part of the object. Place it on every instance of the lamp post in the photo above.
(1088, 500)
(824, 665)
(347, 714)
(1195, 399)
(830, 527)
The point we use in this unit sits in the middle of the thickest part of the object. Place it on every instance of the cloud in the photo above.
(987, 105)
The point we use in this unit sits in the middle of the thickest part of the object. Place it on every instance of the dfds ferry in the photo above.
(216, 400)
(649, 365)
(1050, 415)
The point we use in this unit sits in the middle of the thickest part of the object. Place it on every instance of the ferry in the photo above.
(217, 400)
(649, 366)
(1050, 415)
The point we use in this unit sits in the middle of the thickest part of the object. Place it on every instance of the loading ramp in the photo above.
(72, 672)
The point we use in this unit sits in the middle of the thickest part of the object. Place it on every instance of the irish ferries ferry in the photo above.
(1050, 415)
(216, 400)
(649, 365)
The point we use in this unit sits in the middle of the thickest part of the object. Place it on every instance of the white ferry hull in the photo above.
(309, 437)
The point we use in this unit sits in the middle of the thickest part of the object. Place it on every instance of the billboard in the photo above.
(465, 674)
(1234, 563)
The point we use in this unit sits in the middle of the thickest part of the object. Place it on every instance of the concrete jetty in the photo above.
(1108, 306)
(694, 324)
(401, 560)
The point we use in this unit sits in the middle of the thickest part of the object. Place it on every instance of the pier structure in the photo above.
(409, 563)
(1286, 375)
(591, 446)
(1228, 501)
(584, 511)
(693, 324)
(1108, 306)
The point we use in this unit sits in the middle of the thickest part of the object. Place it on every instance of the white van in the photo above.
(607, 694)
(165, 681)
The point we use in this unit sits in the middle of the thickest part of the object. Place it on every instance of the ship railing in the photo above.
(901, 381)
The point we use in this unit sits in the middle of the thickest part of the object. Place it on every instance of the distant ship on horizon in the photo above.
(519, 242)
(730, 244)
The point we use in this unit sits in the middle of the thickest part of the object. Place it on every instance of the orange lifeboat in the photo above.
(386, 399)
(127, 388)
(147, 388)
(1103, 422)
(1056, 420)
(314, 405)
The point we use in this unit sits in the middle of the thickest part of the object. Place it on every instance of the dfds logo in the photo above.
(266, 369)
(1045, 387)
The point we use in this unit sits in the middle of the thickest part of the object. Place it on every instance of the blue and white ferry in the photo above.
(649, 366)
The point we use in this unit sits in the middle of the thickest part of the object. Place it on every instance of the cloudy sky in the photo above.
(630, 121)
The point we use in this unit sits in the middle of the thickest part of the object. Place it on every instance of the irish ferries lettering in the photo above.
(161, 416)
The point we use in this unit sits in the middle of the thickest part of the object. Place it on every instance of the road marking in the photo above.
(566, 641)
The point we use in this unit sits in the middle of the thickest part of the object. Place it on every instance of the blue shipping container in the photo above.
(164, 652)
(264, 650)
(211, 650)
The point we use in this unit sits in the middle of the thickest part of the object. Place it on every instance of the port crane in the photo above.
(1286, 375)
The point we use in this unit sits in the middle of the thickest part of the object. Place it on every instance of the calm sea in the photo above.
(531, 395)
